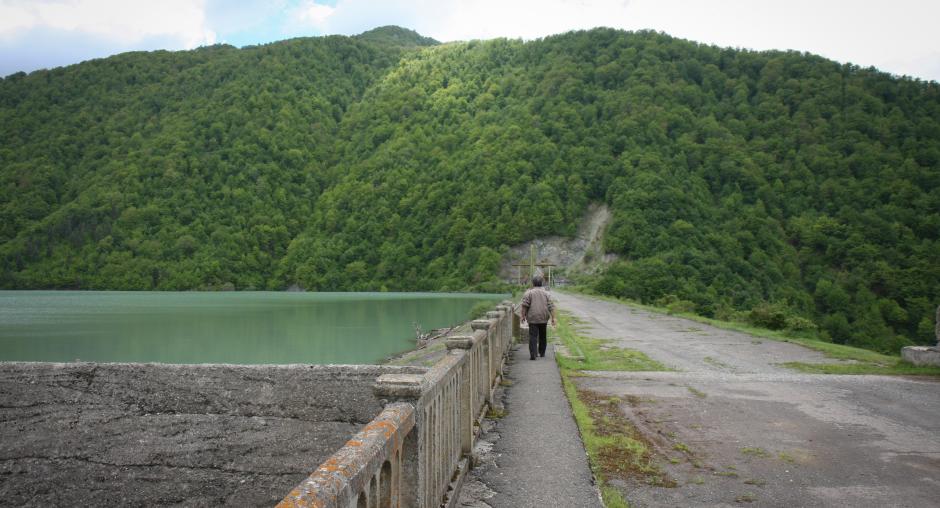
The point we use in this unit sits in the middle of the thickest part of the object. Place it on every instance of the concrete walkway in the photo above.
(539, 458)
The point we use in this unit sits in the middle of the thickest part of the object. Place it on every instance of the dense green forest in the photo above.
(796, 191)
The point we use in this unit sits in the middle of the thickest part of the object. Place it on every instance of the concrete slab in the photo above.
(922, 355)
(733, 426)
(157, 435)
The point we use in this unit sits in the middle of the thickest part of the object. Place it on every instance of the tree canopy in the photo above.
(780, 184)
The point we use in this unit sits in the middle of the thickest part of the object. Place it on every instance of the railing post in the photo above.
(483, 325)
(505, 325)
(510, 322)
(495, 332)
(500, 316)
(467, 387)
(516, 327)
(406, 388)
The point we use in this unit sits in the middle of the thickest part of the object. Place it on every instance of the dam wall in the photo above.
(157, 434)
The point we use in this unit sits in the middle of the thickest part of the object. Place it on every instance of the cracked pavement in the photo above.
(731, 426)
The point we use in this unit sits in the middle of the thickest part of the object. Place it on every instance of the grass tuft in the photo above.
(598, 354)
(616, 450)
(698, 393)
(496, 414)
(895, 367)
(786, 457)
(746, 498)
(755, 452)
(682, 447)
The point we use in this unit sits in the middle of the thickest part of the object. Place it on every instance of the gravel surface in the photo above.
(732, 427)
(171, 435)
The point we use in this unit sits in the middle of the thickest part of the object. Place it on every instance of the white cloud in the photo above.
(122, 21)
(898, 37)
(314, 14)
(14, 18)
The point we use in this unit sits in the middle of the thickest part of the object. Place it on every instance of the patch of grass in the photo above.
(682, 447)
(716, 363)
(746, 498)
(496, 414)
(616, 450)
(895, 367)
(612, 498)
(597, 354)
(697, 480)
(755, 452)
(756, 482)
(698, 393)
(786, 457)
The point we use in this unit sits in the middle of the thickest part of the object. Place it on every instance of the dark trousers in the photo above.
(538, 339)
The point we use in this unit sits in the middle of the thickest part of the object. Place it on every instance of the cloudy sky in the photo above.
(897, 36)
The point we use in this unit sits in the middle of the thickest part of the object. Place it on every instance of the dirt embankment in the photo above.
(582, 254)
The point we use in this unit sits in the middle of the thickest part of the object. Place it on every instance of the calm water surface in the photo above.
(196, 327)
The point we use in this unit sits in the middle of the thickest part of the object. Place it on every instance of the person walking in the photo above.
(537, 309)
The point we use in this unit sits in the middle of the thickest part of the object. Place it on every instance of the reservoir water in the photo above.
(236, 327)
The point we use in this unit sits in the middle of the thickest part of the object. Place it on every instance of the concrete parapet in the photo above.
(366, 471)
(922, 356)
(460, 342)
(481, 324)
(399, 386)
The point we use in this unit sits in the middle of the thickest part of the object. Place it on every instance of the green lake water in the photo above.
(203, 327)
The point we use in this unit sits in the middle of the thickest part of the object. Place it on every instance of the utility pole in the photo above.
(531, 261)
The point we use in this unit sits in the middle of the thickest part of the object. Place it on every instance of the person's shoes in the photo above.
(542, 355)
(531, 358)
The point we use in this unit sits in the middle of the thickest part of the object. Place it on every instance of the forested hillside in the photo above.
(800, 191)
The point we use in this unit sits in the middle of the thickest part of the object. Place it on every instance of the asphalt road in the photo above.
(734, 428)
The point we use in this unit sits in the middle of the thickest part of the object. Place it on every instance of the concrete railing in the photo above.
(415, 453)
